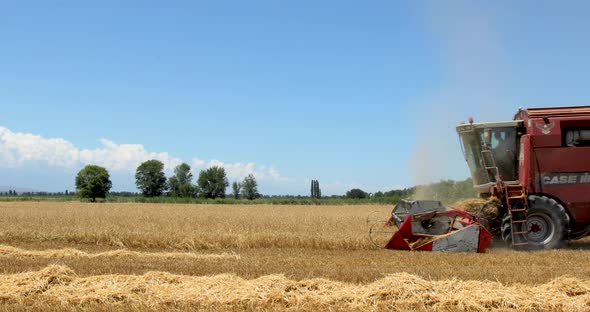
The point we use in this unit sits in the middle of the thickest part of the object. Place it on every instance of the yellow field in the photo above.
(71, 256)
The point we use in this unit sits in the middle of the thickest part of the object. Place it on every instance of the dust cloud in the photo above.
(473, 62)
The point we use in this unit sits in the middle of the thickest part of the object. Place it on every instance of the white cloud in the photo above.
(121, 157)
(196, 163)
(16, 149)
(237, 171)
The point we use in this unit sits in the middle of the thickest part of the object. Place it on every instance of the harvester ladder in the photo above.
(490, 158)
(516, 200)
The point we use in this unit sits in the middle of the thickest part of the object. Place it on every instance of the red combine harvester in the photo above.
(538, 165)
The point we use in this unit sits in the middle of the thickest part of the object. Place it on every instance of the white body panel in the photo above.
(465, 240)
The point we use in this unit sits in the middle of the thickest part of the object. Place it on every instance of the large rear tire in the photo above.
(548, 224)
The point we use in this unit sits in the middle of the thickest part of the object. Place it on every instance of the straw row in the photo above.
(61, 287)
(9, 251)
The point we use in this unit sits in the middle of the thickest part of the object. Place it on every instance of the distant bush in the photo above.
(446, 191)
(357, 194)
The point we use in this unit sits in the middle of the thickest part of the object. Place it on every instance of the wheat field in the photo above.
(126, 256)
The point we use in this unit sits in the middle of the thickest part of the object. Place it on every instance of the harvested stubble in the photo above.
(60, 286)
(9, 251)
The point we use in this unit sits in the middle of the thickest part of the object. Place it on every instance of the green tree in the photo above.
(316, 192)
(187, 190)
(174, 186)
(315, 189)
(150, 178)
(250, 187)
(357, 194)
(93, 182)
(212, 182)
(236, 187)
(183, 173)
(180, 183)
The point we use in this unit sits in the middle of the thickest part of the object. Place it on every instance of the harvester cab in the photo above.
(491, 151)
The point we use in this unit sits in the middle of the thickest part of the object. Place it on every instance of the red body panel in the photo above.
(485, 239)
(548, 166)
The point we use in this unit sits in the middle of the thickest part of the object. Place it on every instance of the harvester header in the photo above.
(428, 225)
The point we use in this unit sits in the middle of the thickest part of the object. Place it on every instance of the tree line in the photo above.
(447, 191)
(94, 182)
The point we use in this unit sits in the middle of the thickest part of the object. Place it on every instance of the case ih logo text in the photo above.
(564, 178)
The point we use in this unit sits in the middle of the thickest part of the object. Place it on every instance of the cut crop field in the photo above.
(129, 256)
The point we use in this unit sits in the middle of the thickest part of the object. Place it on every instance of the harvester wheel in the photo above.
(547, 224)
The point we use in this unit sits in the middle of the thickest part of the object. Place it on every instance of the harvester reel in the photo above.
(380, 230)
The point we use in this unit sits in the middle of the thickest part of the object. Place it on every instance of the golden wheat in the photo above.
(187, 227)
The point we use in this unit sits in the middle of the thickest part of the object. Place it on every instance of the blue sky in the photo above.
(353, 94)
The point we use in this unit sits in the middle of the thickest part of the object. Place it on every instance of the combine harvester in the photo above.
(537, 165)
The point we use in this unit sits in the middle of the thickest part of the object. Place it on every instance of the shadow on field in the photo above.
(582, 244)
